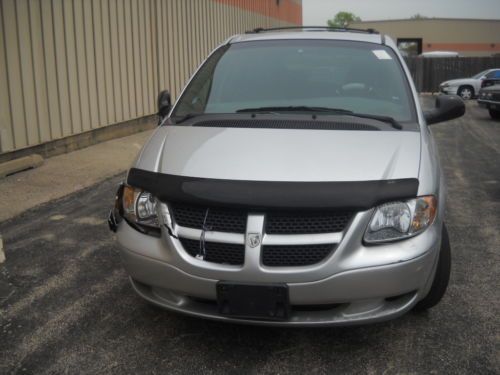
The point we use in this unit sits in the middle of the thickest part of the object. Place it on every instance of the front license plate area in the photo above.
(253, 301)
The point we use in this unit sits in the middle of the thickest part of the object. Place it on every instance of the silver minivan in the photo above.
(294, 182)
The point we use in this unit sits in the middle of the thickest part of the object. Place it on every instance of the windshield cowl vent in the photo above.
(284, 124)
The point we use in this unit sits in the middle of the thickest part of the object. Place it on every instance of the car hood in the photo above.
(460, 81)
(281, 155)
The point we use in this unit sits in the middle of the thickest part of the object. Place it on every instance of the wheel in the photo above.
(442, 276)
(466, 92)
(495, 114)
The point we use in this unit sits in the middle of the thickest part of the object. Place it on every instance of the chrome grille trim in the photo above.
(210, 236)
(302, 239)
(268, 239)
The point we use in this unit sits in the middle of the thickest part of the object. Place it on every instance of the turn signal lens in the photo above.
(129, 197)
(424, 213)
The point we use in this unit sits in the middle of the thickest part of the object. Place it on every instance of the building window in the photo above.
(410, 46)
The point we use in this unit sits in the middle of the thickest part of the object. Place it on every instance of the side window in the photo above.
(195, 97)
(493, 74)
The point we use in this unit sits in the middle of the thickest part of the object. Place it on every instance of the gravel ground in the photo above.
(66, 305)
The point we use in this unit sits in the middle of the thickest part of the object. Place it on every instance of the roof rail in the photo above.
(312, 28)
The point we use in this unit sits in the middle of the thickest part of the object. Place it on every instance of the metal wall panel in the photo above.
(6, 132)
(70, 66)
(14, 77)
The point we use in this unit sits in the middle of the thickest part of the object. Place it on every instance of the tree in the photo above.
(418, 16)
(343, 19)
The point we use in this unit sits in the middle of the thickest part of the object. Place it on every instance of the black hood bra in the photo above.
(359, 195)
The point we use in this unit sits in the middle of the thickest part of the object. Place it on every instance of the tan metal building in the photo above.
(468, 37)
(70, 69)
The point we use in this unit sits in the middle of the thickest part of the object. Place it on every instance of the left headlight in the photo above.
(139, 208)
(398, 220)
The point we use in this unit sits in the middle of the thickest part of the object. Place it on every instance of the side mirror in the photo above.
(447, 107)
(164, 104)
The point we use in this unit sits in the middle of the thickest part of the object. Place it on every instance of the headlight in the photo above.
(397, 220)
(445, 85)
(139, 208)
(489, 95)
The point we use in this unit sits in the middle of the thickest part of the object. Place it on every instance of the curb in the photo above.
(21, 164)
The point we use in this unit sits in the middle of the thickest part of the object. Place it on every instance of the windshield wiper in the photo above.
(302, 108)
(390, 120)
(294, 108)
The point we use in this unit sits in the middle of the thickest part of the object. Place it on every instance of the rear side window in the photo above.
(361, 77)
(493, 74)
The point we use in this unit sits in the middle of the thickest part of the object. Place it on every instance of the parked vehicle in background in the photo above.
(466, 88)
(434, 54)
(489, 97)
(492, 78)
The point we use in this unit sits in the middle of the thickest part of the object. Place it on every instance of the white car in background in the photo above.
(434, 54)
(466, 88)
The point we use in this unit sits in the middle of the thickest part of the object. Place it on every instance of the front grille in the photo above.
(496, 96)
(295, 255)
(216, 252)
(233, 220)
(306, 223)
(218, 219)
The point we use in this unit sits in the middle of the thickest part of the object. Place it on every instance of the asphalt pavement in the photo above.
(66, 305)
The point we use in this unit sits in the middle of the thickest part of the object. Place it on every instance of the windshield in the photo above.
(355, 76)
(479, 75)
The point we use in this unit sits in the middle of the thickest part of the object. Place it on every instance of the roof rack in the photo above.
(313, 28)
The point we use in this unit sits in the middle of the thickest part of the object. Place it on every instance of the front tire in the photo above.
(466, 92)
(495, 114)
(442, 276)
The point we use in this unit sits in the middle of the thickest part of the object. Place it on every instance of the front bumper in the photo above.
(368, 295)
(448, 90)
(489, 104)
(357, 284)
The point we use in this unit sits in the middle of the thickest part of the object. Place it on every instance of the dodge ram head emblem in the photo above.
(253, 239)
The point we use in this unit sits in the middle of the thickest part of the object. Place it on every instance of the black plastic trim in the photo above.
(359, 195)
(284, 124)
(116, 213)
(313, 28)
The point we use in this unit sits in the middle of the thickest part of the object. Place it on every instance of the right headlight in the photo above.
(398, 220)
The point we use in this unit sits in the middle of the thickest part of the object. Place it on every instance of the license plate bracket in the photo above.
(253, 301)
